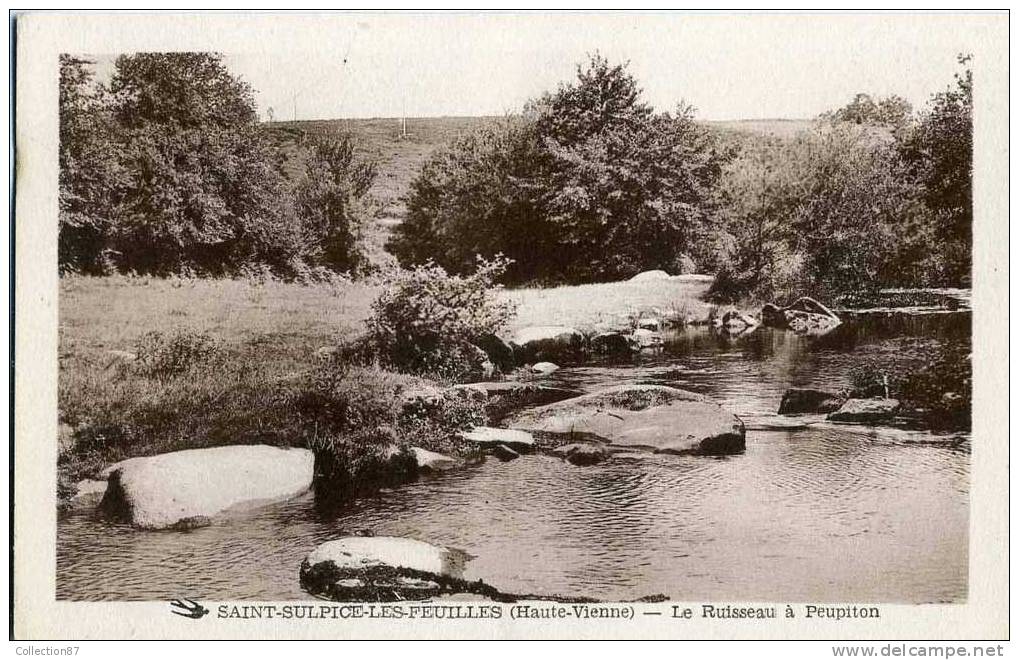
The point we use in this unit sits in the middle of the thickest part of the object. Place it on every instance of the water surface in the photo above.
(827, 513)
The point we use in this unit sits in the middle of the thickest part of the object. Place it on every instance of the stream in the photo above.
(824, 513)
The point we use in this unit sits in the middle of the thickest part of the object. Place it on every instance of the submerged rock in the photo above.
(190, 487)
(865, 410)
(802, 400)
(489, 437)
(614, 343)
(504, 453)
(582, 453)
(433, 461)
(805, 316)
(383, 568)
(547, 342)
(657, 417)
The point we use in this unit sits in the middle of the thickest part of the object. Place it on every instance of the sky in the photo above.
(726, 66)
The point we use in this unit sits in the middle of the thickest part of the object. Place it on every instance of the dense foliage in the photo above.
(166, 170)
(429, 322)
(871, 198)
(590, 184)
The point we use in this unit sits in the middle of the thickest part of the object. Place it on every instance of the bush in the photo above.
(427, 321)
(170, 354)
(357, 419)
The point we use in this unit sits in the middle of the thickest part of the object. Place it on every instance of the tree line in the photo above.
(165, 169)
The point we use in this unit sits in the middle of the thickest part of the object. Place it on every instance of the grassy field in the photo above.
(98, 314)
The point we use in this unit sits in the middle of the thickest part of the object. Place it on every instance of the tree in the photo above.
(939, 152)
(892, 112)
(590, 184)
(90, 175)
(829, 213)
(331, 204)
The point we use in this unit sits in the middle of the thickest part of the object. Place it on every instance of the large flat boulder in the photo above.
(188, 488)
(865, 411)
(655, 417)
(382, 568)
(547, 342)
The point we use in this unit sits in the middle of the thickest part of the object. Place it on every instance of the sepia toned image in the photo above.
(514, 315)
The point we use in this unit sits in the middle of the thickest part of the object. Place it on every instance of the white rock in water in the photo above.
(360, 552)
(188, 487)
(487, 436)
(648, 338)
(545, 368)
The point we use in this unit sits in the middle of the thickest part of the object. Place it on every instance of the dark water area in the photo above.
(824, 513)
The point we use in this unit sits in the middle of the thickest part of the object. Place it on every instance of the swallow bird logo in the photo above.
(188, 608)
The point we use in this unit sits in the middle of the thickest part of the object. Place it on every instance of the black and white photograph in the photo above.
(508, 315)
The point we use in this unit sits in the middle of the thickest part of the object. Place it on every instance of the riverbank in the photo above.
(151, 365)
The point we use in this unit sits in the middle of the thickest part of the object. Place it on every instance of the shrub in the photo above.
(427, 321)
(173, 353)
(933, 380)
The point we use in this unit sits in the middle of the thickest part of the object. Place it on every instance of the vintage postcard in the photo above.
(511, 325)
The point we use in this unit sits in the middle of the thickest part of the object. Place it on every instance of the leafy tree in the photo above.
(90, 173)
(477, 197)
(205, 191)
(825, 214)
(939, 152)
(590, 184)
(332, 203)
(893, 112)
(166, 170)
